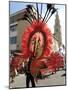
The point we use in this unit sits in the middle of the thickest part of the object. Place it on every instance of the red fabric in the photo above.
(37, 65)
(32, 28)
(16, 62)
(57, 61)
(54, 61)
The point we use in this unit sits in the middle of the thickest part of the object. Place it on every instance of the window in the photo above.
(13, 40)
(13, 28)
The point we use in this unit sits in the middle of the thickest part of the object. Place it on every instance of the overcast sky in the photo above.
(16, 6)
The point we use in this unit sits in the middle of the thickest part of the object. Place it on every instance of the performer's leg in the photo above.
(27, 80)
(32, 81)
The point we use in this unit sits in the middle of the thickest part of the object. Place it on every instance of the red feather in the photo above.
(32, 28)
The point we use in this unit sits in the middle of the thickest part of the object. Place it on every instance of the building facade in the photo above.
(16, 31)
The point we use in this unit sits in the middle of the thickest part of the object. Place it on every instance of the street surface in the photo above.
(55, 79)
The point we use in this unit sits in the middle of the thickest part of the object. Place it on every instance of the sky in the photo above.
(16, 6)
